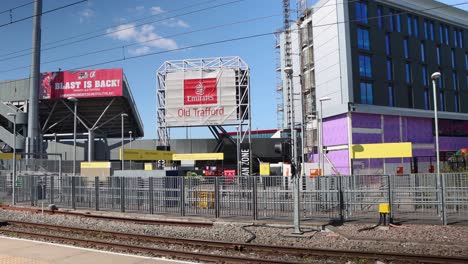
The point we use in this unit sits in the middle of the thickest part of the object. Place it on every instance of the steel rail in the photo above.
(147, 250)
(244, 247)
(116, 218)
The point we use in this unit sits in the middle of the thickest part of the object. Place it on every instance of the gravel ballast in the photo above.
(411, 238)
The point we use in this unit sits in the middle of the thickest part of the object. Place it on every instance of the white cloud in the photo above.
(156, 10)
(86, 14)
(140, 51)
(145, 35)
(175, 23)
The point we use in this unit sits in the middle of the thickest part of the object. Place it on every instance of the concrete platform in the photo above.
(21, 251)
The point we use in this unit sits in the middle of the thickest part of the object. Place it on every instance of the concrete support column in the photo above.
(90, 145)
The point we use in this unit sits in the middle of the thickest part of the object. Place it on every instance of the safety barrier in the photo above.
(410, 197)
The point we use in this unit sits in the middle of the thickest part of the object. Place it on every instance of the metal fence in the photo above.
(411, 197)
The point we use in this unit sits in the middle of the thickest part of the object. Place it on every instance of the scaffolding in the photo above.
(240, 116)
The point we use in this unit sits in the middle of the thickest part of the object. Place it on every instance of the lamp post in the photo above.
(13, 184)
(131, 139)
(320, 156)
(440, 180)
(123, 158)
(75, 103)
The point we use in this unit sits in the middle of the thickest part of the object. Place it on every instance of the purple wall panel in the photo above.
(453, 143)
(335, 131)
(423, 152)
(361, 138)
(366, 120)
(340, 158)
(391, 129)
(419, 130)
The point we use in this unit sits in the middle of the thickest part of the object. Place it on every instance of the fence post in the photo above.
(254, 197)
(73, 192)
(122, 194)
(51, 186)
(96, 192)
(150, 195)
(390, 196)
(33, 197)
(217, 205)
(341, 198)
(182, 195)
(442, 194)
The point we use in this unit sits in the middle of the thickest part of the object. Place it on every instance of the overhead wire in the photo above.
(14, 8)
(231, 40)
(119, 30)
(43, 13)
(149, 40)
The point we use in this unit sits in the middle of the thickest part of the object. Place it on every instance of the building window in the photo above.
(366, 93)
(408, 73)
(405, 48)
(441, 34)
(426, 99)
(455, 38)
(423, 52)
(365, 67)
(410, 23)
(454, 81)
(460, 38)
(389, 70)
(456, 104)
(440, 83)
(438, 55)
(398, 22)
(442, 101)
(415, 26)
(452, 55)
(426, 29)
(466, 61)
(431, 27)
(361, 12)
(447, 35)
(363, 38)
(388, 48)
(424, 76)
(391, 101)
(380, 16)
(390, 21)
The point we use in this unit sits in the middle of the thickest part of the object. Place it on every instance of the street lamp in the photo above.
(123, 158)
(321, 160)
(434, 77)
(14, 158)
(75, 102)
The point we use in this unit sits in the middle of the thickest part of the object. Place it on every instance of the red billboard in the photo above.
(200, 91)
(81, 84)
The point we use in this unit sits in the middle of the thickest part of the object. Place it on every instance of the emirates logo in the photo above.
(199, 89)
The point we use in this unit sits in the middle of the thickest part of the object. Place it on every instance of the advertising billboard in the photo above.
(200, 97)
(81, 84)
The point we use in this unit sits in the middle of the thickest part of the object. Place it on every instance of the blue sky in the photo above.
(101, 16)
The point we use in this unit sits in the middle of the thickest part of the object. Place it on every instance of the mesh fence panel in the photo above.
(414, 196)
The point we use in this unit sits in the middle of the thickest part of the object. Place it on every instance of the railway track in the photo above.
(115, 218)
(208, 251)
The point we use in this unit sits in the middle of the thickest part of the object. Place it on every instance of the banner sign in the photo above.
(245, 159)
(200, 97)
(264, 169)
(81, 84)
